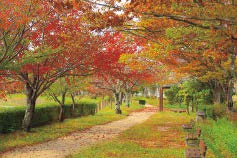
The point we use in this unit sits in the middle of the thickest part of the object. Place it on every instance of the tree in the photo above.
(172, 95)
(113, 75)
(61, 88)
(194, 93)
(67, 48)
(190, 51)
(16, 21)
(152, 19)
(58, 42)
(208, 26)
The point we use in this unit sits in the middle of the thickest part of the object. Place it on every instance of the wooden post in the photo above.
(111, 104)
(157, 92)
(106, 103)
(161, 99)
(98, 106)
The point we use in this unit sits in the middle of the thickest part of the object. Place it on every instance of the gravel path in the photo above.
(62, 147)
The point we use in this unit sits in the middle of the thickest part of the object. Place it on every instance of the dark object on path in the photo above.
(192, 139)
(142, 102)
(189, 125)
(197, 152)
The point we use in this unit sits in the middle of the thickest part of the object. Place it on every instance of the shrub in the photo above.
(208, 109)
(11, 119)
(219, 110)
(172, 95)
(214, 111)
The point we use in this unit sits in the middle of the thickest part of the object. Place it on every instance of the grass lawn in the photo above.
(221, 137)
(149, 100)
(55, 130)
(19, 99)
(160, 136)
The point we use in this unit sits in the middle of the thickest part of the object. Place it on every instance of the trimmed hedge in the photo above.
(11, 118)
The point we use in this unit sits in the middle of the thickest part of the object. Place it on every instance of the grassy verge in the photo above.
(221, 138)
(160, 136)
(55, 130)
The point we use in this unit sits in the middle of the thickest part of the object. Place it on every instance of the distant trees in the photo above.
(196, 38)
(65, 87)
(191, 93)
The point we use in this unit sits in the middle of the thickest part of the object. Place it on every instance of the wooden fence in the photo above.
(104, 103)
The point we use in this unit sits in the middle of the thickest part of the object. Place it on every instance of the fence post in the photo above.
(97, 107)
(111, 104)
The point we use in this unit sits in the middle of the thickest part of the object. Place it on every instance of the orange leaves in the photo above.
(13, 13)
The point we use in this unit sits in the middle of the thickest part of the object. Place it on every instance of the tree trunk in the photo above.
(73, 102)
(62, 105)
(120, 98)
(230, 103)
(149, 91)
(144, 92)
(192, 107)
(217, 93)
(230, 93)
(117, 103)
(111, 102)
(161, 99)
(30, 108)
(157, 91)
(61, 113)
(187, 102)
(127, 99)
(187, 107)
(196, 107)
(192, 102)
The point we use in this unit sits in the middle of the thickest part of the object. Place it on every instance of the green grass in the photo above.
(118, 149)
(149, 100)
(55, 130)
(19, 99)
(221, 137)
(145, 140)
(174, 106)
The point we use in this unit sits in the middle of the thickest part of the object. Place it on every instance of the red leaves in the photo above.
(12, 14)
(110, 71)
(8, 86)
(107, 61)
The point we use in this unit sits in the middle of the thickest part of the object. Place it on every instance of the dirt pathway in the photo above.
(64, 146)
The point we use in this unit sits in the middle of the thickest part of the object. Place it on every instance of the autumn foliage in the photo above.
(122, 44)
